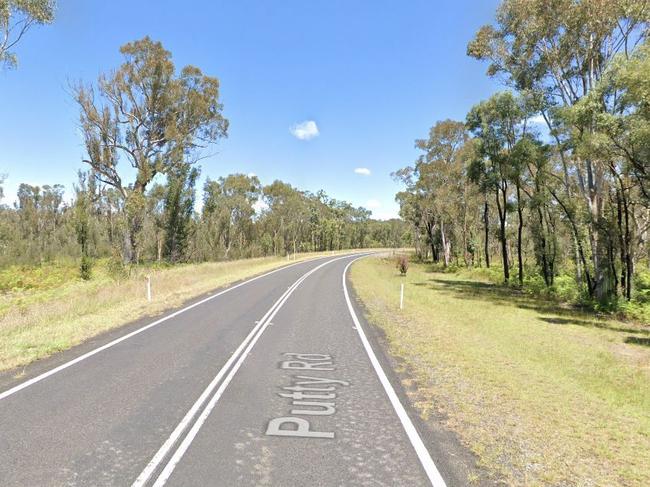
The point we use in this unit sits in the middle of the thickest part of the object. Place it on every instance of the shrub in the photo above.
(86, 267)
(403, 264)
(116, 268)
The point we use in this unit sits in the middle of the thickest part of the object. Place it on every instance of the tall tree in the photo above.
(559, 50)
(228, 211)
(497, 125)
(178, 212)
(151, 117)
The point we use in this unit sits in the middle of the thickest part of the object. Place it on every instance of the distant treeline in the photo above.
(42, 227)
(552, 177)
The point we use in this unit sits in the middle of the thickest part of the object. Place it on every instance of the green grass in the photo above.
(565, 290)
(543, 394)
(47, 309)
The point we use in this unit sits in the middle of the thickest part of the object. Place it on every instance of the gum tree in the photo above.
(151, 117)
(559, 50)
(497, 125)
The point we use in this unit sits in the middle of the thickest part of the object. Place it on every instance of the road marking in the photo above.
(180, 428)
(306, 396)
(239, 356)
(414, 437)
(95, 351)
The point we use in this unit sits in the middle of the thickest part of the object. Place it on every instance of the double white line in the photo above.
(228, 371)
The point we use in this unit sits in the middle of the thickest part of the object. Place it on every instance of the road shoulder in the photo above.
(456, 463)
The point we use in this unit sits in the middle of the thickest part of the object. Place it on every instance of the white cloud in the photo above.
(537, 119)
(305, 130)
(364, 171)
(384, 215)
(251, 174)
(259, 206)
(373, 204)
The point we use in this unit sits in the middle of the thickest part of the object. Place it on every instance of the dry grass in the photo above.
(35, 323)
(543, 396)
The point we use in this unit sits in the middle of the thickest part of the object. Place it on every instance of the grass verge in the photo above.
(52, 309)
(543, 395)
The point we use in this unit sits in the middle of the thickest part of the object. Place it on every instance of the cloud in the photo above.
(259, 206)
(251, 174)
(364, 171)
(373, 204)
(305, 130)
(384, 215)
(537, 119)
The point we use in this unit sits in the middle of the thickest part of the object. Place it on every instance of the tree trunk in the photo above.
(445, 245)
(502, 232)
(543, 249)
(520, 228)
(486, 222)
(128, 247)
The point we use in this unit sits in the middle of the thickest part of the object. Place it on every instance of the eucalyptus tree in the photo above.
(288, 215)
(619, 108)
(16, 18)
(147, 115)
(532, 159)
(560, 50)
(441, 178)
(416, 207)
(498, 125)
(179, 212)
(410, 210)
(617, 114)
(228, 212)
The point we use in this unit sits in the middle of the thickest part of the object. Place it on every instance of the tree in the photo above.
(151, 117)
(497, 125)
(16, 18)
(228, 210)
(532, 159)
(178, 212)
(288, 215)
(558, 51)
(439, 197)
(82, 218)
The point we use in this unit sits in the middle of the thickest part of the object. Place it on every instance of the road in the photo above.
(271, 382)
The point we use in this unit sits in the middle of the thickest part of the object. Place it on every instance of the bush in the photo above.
(403, 264)
(86, 268)
(116, 268)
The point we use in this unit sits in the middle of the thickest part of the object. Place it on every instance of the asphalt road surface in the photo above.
(270, 382)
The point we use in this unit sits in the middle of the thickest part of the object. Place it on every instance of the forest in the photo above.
(548, 181)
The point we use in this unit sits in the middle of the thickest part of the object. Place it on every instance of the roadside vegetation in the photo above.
(49, 308)
(549, 179)
(542, 393)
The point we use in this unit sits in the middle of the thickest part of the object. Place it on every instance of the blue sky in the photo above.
(372, 75)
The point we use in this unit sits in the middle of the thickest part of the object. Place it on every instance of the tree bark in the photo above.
(486, 222)
(520, 228)
(502, 230)
(445, 244)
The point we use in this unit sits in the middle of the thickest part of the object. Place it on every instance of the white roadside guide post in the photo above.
(149, 288)
(401, 297)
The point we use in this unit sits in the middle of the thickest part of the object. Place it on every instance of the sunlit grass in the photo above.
(543, 395)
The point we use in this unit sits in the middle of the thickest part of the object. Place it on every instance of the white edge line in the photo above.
(72, 362)
(187, 441)
(423, 454)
